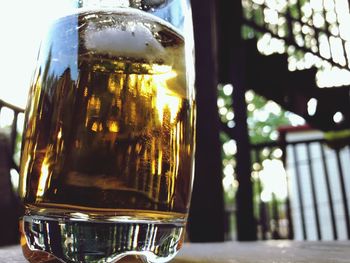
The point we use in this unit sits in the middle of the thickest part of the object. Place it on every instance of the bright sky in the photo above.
(23, 24)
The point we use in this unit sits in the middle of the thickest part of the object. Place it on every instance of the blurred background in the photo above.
(273, 127)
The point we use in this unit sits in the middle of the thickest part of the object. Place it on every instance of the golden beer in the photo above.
(109, 131)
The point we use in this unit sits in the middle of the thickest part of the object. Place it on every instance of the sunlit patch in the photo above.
(113, 126)
(6, 117)
(44, 179)
(277, 153)
(230, 147)
(165, 100)
(59, 135)
(14, 179)
(231, 124)
(94, 104)
(160, 159)
(228, 89)
(24, 174)
(220, 102)
(223, 111)
(230, 115)
(228, 181)
(312, 106)
(249, 96)
(274, 180)
(338, 117)
(320, 27)
(94, 127)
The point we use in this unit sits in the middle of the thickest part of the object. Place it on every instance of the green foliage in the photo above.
(259, 16)
(247, 32)
(264, 119)
(337, 139)
(294, 12)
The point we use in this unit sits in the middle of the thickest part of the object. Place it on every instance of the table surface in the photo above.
(234, 252)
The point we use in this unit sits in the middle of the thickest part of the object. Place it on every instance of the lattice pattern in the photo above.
(314, 31)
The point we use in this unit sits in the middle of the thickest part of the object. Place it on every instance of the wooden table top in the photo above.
(250, 252)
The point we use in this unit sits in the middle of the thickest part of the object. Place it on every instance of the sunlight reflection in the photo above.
(43, 179)
(338, 117)
(6, 117)
(166, 101)
(312, 106)
(274, 180)
(31, 21)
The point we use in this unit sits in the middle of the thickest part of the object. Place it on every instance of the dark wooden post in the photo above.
(246, 223)
(8, 203)
(232, 70)
(206, 221)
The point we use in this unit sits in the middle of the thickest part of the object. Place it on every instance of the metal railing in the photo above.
(14, 128)
(321, 174)
(273, 216)
(303, 28)
(316, 205)
(9, 202)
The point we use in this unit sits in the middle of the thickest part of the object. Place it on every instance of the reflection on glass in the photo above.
(110, 130)
(66, 240)
(107, 155)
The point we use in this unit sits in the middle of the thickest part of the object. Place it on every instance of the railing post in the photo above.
(329, 192)
(14, 131)
(299, 191)
(313, 192)
(283, 146)
(343, 193)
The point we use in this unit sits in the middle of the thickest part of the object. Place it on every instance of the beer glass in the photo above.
(108, 145)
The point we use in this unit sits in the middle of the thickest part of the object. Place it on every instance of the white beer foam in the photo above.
(134, 40)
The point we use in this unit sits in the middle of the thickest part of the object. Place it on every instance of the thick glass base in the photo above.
(46, 239)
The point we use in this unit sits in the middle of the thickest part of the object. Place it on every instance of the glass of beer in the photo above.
(108, 146)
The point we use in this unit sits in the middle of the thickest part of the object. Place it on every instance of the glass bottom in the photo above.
(52, 239)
